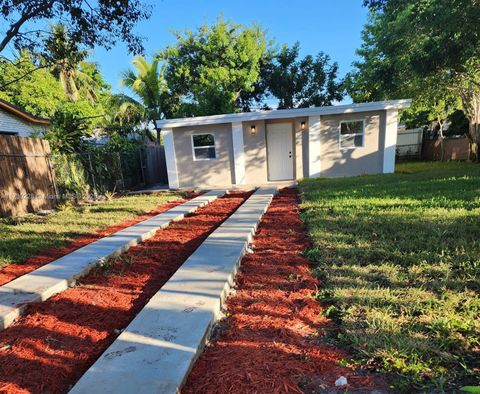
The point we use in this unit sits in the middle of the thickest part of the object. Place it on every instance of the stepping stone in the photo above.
(58, 275)
(155, 352)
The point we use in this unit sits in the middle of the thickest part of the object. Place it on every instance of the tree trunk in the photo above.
(474, 134)
(442, 141)
(471, 105)
(442, 149)
(159, 132)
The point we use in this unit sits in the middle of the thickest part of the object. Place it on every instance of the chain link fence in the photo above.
(98, 172)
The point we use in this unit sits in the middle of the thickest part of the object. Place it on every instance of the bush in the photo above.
(71, 178)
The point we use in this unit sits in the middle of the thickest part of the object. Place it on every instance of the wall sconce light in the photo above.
(253, 129)
(303, 125)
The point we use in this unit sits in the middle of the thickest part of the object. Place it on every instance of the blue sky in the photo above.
(332, 26)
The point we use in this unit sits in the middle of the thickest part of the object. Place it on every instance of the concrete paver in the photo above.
(58, 275)
(156, 351)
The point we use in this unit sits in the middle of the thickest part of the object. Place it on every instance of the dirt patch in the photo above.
(13, 271)
(271, 341)
(48, 349)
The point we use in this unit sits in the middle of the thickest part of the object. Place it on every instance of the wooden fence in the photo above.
(455, 149)
(156, 166)
(27, 181)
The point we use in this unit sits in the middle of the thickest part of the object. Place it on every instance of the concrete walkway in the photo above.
(156, 351)
(58, 275)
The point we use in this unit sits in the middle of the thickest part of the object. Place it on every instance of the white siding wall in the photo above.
(10, 123)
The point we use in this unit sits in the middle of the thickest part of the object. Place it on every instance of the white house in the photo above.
(281, 145)
(16, 121)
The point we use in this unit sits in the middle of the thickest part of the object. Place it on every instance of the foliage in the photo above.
(459, 123)
(255, 97)
(413, 45)
(124, 116)
(96, 23)
(70, 176)
(400, 261)
(32, 234)
(70, 124)
(148, 83)
(68, 65)
(212, 67)
(301, 83)
(38, 92)
(49, 92)
(119, 143)
(437, 35)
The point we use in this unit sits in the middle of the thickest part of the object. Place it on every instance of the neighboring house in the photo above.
(16, 121)
(256, 148)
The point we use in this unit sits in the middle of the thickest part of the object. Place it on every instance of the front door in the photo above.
(279, 151)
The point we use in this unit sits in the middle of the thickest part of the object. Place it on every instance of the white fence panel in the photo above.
(409, 142)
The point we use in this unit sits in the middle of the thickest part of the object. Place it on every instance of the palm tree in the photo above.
(147, 81)
(66, 59)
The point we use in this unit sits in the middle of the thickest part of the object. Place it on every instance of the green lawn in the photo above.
(399, 256)
(25, 236)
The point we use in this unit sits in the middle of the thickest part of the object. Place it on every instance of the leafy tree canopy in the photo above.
(39, 92)
(152, 100)
(434, 35)
(212, 67)
(300, 83)
(91, 23)
(78, 77)
(424, 49)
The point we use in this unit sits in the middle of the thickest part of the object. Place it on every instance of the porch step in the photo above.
(156, 351)
(58, 275)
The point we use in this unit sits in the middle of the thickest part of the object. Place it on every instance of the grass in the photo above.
(399, 256)
(25, 236)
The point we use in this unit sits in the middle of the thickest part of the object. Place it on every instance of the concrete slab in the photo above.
(156, 351)
(58, 275)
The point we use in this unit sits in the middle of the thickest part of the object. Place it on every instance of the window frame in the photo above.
(214, 146)
(351, 134)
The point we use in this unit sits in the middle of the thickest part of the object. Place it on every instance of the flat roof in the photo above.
(284, 113)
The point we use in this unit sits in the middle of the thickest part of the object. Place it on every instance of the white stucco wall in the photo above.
(10, 123)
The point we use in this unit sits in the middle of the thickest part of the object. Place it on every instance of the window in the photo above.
(351, 134)
(203, 147)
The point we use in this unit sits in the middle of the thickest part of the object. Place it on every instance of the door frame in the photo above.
(292, 135)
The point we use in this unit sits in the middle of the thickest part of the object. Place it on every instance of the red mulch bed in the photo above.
(48, 349)
(13, 271)
(272, 342)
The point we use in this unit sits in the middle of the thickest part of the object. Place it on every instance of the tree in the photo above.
(66, 58)
(90, 23)
(408, 42)
(255, 97)
(69, 127)
(124, 117)
(37, 92)
(442, 107)
(149, 85)
(212, 67)
(301, 83)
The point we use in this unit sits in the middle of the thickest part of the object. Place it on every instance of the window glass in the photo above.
(203, 140)
(351, 134)
(204, 153)
(203, 147)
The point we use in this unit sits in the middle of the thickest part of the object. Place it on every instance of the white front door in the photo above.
(279, 151)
